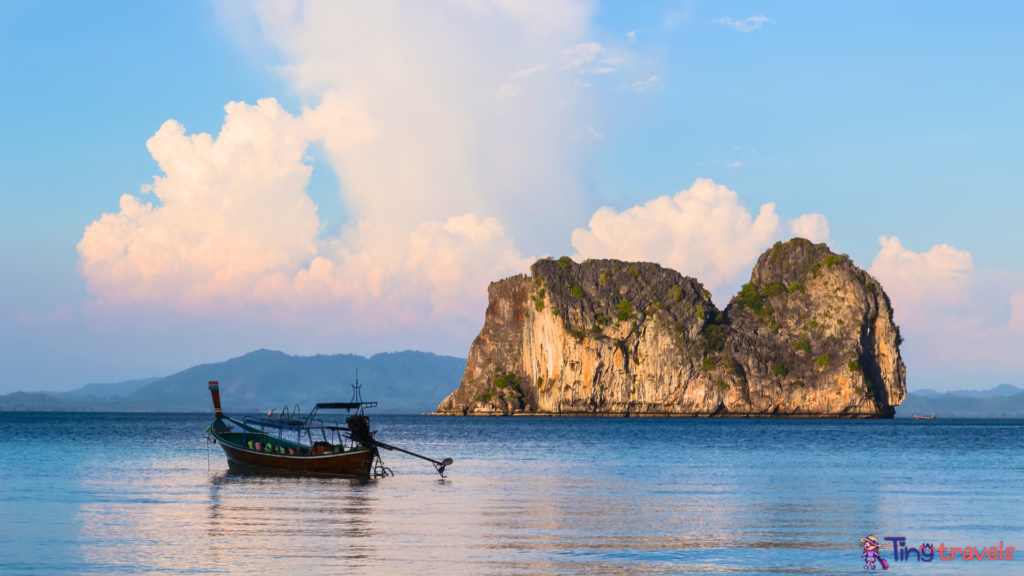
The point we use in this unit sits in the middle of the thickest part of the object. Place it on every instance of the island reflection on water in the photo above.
(524, 496)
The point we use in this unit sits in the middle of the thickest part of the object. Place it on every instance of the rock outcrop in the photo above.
(811, 335)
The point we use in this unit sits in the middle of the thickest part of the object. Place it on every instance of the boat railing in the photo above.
(333, 433)
(292, 424)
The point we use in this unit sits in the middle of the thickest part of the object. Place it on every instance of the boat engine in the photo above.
(359, 428)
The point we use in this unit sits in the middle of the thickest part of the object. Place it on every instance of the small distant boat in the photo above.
(916, 417)
(291, 443)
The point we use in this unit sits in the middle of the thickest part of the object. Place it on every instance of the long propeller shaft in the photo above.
(445, 462)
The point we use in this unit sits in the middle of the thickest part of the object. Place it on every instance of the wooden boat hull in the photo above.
(249, 447)
(356, 463)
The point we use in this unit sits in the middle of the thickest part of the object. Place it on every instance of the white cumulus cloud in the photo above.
(963, 325)
(704, 232)
(235, 225)
(813, 227)
(410, 124)
(234, 209)
(460, 258)
(423, 121)
(917, 280)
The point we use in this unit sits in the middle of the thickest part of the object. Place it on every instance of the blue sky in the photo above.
(890, 120)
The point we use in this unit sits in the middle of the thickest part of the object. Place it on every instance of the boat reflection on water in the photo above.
(256, 518)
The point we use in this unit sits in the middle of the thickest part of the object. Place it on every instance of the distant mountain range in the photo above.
(402, 382)
(1003, 401)
(1002, 390)
(105, 390)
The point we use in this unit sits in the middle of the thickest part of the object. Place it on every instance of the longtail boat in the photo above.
(291, 443)
(916, 417)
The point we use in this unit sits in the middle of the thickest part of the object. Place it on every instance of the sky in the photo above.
(184, 182)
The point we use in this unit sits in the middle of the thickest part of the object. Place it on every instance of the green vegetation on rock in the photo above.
(832, 260)
(708, 363)
(625, 310)
(754, 299)
(504, 380)
(713, 339)
(772, 289)
(538, 300)
(803, 344)
(749, 297)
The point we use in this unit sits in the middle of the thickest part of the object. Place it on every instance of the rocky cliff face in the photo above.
(811, 335)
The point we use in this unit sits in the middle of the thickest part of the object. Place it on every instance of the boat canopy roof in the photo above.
(356, 403)
(253, 423)
(345, 405)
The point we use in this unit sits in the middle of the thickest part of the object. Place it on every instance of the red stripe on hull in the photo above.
(358, 463)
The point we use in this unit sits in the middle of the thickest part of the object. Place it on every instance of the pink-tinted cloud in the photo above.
(426, 156)
(235, 227)
(704, 232)
(231, 211)
(959, 322)
(813, 227)
(920, 281)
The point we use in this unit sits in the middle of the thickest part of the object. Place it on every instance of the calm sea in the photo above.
(129, 493)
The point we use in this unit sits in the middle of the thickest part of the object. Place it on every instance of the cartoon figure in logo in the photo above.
(870, 554)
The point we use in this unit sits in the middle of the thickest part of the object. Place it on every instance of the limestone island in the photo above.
(810, 336)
